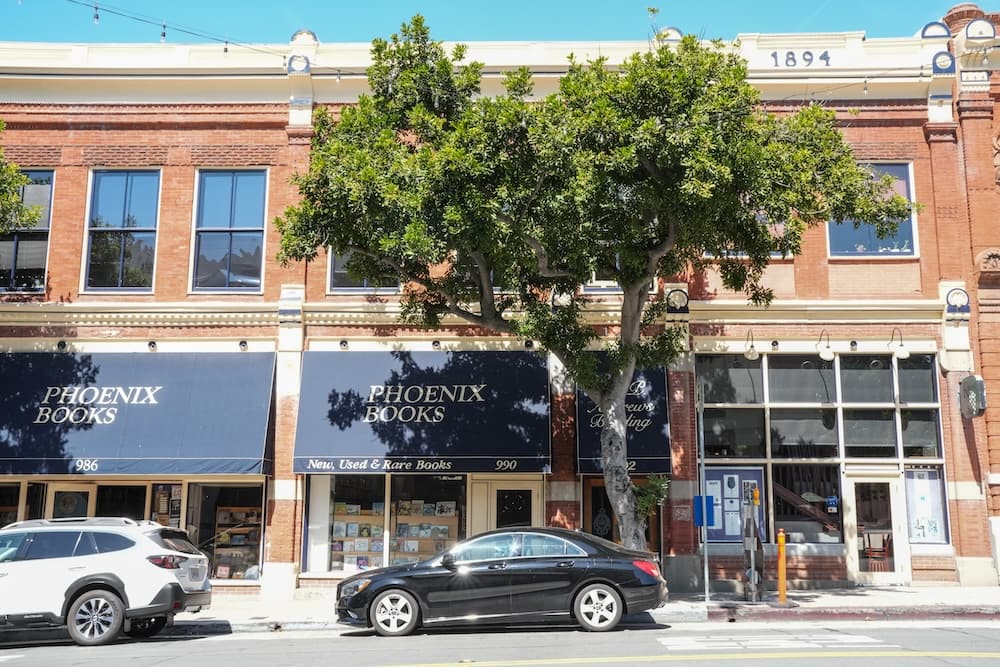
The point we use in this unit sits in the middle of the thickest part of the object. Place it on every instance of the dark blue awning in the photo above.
(433, 412)
(647, 438)
(134, 413)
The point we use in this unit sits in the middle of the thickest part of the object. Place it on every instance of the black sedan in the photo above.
(507, 576)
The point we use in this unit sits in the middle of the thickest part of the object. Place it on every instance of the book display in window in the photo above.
(420, 529)
(352, 527)
(237, 542)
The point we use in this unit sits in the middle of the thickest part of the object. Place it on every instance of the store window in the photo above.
(165, 504)
(925, 506)
(229, 235)
(426, 517)
(121, 500)
(807, 502)
(9, 495)
(122, 229)
(23, 251)
(357, 522)
(803, 433)
(801, 379)
(850, 240)
(225, 522)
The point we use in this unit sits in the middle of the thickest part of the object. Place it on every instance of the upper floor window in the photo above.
(229, 243)
(848, 241)
(122, 229)
(23, 251)
(341, 279)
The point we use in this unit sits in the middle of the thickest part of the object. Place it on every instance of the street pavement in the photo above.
(237, 613)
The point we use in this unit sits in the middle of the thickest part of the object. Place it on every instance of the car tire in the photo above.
(394, 613)
(143, 628)
(95, 618)
(598, 608)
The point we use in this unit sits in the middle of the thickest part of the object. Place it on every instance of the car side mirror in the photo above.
(448, 561)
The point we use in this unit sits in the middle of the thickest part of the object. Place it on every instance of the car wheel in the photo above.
(598, 608)
(141, 628)
(394, 613)
(95, 618)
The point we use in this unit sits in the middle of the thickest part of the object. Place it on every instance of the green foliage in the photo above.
(486, 206)
(13, 214)
(650, 495)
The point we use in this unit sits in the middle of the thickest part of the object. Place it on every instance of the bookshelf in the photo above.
(421, 529)
(237, 542)
(416, 530)
(357, 535)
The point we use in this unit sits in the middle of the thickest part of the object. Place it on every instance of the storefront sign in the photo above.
(647, 435)
(423, 412)
(134, 413)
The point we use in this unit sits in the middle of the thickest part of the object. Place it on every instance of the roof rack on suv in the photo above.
(78, 520)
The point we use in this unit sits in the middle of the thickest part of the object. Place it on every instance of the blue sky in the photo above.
(274, 21)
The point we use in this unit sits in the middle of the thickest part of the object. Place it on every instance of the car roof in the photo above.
(568, 534)
(82, 522)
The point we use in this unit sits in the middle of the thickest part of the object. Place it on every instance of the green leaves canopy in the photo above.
(487, 206)
(13, 213)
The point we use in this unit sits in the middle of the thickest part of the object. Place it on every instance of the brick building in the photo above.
(159, 363)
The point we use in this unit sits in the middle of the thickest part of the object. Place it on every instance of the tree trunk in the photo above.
(617, 481)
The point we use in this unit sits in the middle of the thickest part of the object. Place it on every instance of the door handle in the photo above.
(498, 566)
(78, 568)
(565, 563)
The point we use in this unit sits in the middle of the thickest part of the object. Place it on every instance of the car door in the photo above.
(545, 575)
(39, 575)
(478, 585)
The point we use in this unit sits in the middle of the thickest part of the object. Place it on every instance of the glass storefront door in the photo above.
(500, 502)
(876, 539)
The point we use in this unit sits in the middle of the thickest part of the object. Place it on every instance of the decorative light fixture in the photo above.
(854, 346)
(343, 345)
(529, 344)
(899, 351)
(436, 344)
(61, 346)
(151, 345)
(677, 301)
(774, 346)
(97, 16)
(751, 352)
(243, 346)
(825, 353)
(865, 90)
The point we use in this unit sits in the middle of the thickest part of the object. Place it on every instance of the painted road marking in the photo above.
(771, 642)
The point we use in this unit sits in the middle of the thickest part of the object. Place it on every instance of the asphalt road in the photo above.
(830, 644)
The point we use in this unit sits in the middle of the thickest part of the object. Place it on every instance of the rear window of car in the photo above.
(176, 540)
(545, 545)
(108, 542)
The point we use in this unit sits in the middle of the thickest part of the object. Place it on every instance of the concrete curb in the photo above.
(765, 612)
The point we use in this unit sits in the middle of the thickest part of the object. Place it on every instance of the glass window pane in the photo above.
(916, 379)
(921, 435)
(801, 379)
(215, 195)
(734, 432)
(357, 505)
(29, 266)
(866, 378)
(339, 277)
(108, 207)
(39, 193)
(6, 260)
(730, 378)
(870, 433)
(104, 263)
(846, 239)
(426, 516)
(807, 503)
(246, 259)
(142, 199)
(138, 259)
(211, 268)
(57, 544)
(925, 503)
(803, 433)
(249, 201)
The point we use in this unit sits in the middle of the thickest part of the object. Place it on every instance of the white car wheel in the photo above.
(394, 613)
(95, 618)
(598, 608)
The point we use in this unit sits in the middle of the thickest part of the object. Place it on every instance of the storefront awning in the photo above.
(647, 435)
(151, 413)
(423, 412)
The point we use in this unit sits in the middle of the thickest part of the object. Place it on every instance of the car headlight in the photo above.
(354, 587)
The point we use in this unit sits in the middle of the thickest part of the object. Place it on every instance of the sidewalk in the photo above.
(246, 613)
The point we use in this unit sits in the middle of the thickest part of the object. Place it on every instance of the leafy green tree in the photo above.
(496, 210)
(13, 213)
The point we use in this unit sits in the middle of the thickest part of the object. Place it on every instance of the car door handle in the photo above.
(565, 563)
(77, 568)
(498, 566)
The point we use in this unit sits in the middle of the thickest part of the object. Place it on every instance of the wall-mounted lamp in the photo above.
(151, 345)
(854, 346)
(61, 346)
(750, 352)
(774, 346)
(529, 344)
(899, 350)
(436, 344)
(243, 346)
(825, 353)
(343, 345)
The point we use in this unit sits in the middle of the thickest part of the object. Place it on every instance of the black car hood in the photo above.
(391, 570)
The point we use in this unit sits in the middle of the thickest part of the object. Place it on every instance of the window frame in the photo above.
(198, 230)
(331, 269)
(882, 252)
(14, 236)
(121, 229)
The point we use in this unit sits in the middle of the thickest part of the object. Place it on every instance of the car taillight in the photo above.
(167, 562)
(648, 566)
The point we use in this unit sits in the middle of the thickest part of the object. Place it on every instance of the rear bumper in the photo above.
(172, 599)
(646, 597)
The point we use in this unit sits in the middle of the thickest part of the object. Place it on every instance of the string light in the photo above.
(97, 16)
(865, 91)
(163, 33)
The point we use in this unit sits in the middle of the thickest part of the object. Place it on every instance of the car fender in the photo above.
(396, 583)
(103, 580)
(598, 580)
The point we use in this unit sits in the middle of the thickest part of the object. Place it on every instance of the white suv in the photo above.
(99, 577)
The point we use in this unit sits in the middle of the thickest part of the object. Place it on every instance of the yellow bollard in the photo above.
(782, 582)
